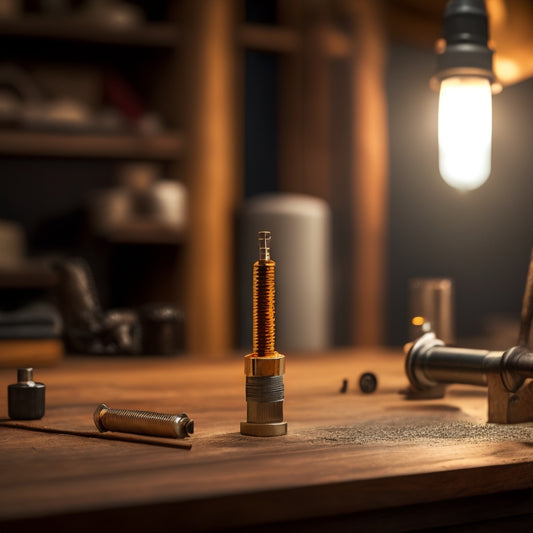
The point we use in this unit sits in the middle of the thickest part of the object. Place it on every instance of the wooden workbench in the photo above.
(377, 461)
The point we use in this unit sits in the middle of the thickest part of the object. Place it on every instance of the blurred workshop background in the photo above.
(138, 134)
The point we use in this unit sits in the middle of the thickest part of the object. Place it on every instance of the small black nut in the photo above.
(26, 399)
(368, 382)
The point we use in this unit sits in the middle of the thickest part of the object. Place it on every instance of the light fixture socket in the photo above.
(464, 50)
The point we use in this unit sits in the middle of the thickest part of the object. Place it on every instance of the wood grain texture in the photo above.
(344, 453)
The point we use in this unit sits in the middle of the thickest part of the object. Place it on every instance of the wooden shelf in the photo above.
(153, 34)
(285, 40)
(164, 146)
(144, 232)
(269, 38)
(27, 276)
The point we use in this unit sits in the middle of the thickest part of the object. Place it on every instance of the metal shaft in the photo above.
(143, 422)
(430, 363)
(25, 375)
(264, 291)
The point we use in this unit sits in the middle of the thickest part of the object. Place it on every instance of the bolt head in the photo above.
(183, 426)
(100, 410)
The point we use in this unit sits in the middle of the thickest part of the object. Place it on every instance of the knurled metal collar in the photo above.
(267, 365)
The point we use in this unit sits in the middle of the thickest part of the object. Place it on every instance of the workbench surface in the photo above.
(376, 460)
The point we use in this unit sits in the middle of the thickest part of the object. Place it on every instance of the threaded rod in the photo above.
(142, 422)
(264, 291)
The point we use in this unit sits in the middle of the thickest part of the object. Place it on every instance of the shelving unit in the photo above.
(150, 34)
(268, 38)
(187, 65)
(29, 276)
(71, 44)
(143, 232)
(163, 147)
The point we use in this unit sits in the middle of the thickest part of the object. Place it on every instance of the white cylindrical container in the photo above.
(300, 227)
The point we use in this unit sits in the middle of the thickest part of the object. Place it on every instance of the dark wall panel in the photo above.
(482, 239)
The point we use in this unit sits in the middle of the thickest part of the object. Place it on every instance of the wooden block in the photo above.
(509, 407)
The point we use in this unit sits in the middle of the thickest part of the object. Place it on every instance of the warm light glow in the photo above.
(508, 70)
(465, 131)
(417, 320)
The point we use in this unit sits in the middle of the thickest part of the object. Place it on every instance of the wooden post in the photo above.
(312, 159)
(212, 144)
(304, 109)
(370, 171)
(291, 108)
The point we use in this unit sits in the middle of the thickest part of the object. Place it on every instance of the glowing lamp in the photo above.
(465, 81)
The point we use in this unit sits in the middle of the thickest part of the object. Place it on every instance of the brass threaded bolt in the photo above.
(264, 333)
(264, 368)
(143, 422)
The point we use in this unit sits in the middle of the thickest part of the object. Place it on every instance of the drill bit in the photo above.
(264, 367)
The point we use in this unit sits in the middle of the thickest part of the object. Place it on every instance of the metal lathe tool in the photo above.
(430, 365)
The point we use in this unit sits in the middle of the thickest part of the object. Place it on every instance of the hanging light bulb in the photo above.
(465, 82)
(465, 131)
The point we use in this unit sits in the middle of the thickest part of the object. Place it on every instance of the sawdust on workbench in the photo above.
(430, 430)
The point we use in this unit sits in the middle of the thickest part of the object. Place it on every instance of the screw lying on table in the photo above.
(143, 422)
(344, 386)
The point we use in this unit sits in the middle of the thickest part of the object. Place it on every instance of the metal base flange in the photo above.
(271, 429)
